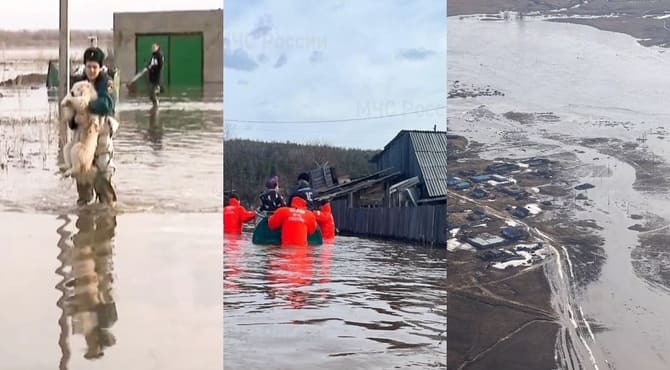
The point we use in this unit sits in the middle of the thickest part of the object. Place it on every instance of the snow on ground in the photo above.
(533, 208)
(514, 263)
(528, 257)
(453, 244)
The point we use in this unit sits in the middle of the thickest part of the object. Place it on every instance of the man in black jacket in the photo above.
(303, 190)
(155, 67)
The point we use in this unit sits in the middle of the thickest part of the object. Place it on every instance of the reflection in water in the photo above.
(62, 320)
(352, 303)
(87, 270)
(155, 132)
(290, 269)
(231, 263)
(324, 268)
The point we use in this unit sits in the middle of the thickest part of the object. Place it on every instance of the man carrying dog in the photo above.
(103, 106)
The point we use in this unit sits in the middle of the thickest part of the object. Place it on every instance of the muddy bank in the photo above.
(648, 31)
(458, 90)
(651, 257)
(582, 241)
(529, 118)
(31, 79)
(644, 21)
(468, 7)
(650, 169)
(488, 328)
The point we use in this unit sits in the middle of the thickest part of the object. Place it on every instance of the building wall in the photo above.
(422, 154)
(424, 224)
(400, 156)
(209, 22)
(397, 155)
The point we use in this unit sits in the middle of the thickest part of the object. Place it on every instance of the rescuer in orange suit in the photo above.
(296, 223)
(326, 221)
(234, 215)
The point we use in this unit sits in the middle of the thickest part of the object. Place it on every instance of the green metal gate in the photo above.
(183, 55)
(185, 65)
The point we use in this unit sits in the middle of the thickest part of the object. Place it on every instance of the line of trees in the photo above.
(248, 164)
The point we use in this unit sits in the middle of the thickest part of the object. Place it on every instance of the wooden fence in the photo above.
(424, 224)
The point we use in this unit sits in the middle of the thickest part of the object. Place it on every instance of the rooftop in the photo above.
(430, 148)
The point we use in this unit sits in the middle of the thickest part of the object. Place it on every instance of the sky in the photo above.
(86, 14)
(297, 60)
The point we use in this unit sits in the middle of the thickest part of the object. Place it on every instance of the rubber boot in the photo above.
(85, 194)
(105, 190)
(154, 95)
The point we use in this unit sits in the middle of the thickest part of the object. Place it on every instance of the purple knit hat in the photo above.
(272, 182)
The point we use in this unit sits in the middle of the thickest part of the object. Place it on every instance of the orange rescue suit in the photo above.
(296, 223)
(234, 215)
(326, 222)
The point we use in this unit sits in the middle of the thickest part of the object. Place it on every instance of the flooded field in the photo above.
(598, 88)
(169, 160)
(354, 304)
(138, 289)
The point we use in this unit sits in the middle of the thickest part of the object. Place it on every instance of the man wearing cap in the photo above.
(270, 198)
(103, 106)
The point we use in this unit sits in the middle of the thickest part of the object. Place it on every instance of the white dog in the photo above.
(79, 153)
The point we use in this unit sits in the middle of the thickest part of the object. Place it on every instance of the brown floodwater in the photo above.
(169, 160)
(135, 289)
(353, 304)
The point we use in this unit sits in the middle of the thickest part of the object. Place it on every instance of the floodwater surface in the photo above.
(139, 288)
(167, 160)
(351, 304)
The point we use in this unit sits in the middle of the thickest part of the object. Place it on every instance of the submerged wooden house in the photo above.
(404, 199)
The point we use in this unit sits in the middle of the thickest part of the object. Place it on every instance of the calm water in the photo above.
(142, 287)
(354, 304)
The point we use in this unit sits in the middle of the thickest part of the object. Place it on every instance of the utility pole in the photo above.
(63, 52)
(63, 70)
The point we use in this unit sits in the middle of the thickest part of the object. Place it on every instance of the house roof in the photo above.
(361, 183)
(430, 149)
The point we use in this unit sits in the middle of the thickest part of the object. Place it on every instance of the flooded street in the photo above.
(139, 289)
(167, 161)
(600, 85)
(355, 304)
